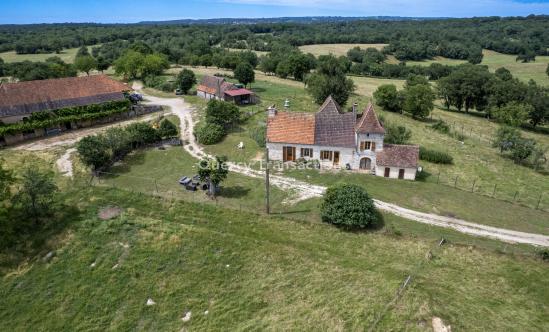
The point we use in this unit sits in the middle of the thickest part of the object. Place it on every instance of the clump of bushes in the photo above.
(397, 134)
(101, 151)
(441, 126)
(349, 206)
(522, 150)
(434, 156)
(209, 133)
(220, 116)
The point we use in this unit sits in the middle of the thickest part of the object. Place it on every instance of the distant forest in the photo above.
(408, 39)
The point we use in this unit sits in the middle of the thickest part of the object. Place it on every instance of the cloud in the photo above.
(413, 7)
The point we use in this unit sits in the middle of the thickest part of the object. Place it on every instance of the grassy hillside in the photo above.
(251, 272)
(66, 55)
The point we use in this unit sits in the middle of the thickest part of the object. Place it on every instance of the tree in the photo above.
(102, 64)
(547, 70)
(389, 98)
(466, 87)
(129, 64)
(222, 113)
(522, 149)
(82, 51)
(330, 80)
(348, 206)
(214, 171)
(503, 74)
(185, 80)
(415, 80)
(85, 63)
(513, 113)
(244, 73)
(93, 152)
(36, 194)
(538, 97)
(154, 64)
(397, 134)
(167, 128)
(142, 133)
(506, 138)
(419, 100)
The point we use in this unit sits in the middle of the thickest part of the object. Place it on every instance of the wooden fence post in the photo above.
(473, 188)
(494, 192)
(539, 201)
(516, 194)
(455, 182)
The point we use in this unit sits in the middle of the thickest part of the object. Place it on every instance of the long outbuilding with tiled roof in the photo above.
(18, 100)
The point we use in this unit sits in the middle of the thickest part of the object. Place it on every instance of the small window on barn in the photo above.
(307, 152)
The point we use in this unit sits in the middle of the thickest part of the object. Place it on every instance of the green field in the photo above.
(251, 272)
(66, 55)
(335, 49)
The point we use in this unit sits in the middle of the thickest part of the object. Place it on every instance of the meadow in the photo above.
(67, 55)
(335, 49)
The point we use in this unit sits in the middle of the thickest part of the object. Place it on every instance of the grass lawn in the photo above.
(66, 55)
(252, 272)
(335, 49)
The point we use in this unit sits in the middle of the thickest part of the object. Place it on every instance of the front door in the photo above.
(336, 157)
(365, 164)
(387, 172)
(288, 153)
(401, 174)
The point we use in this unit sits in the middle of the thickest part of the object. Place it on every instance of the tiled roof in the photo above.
(238, 92)
(405, 156)
(334, 128)
(214, 85)
(369, 123)
(287, 127)
(34, 96)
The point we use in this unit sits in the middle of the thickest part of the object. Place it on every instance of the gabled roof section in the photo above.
(214, 85)
(393, 155)
(334, 128)
(288, 127)
(40, 95)
(330, 106)
(369, 123)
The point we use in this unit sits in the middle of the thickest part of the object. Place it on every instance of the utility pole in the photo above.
(267, 203)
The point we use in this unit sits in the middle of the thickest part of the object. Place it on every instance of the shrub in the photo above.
(388, 98)
(142, 133)
(167, 129)
(93, 152)
(349, 206)
(185, 80)
(258, 134)
(434, 156)
(441, 126)
(222, 113)
(209, 133)
(397, 134)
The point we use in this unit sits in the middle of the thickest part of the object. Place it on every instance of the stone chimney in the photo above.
(355, 106)
(271, 111)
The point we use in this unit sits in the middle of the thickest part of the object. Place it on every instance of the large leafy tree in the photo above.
(419, 100)
(85, 63)
(244, 73)
(222, 113)
(214, 171)
(348, 206)
(330, 79)
(185, 80)
(465, 88)
(513, 113)
(389, 98)
(397, 134)
(93, 151)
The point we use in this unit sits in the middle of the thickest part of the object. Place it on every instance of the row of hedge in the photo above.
(101, 151)
(434, 156)
(54, 118)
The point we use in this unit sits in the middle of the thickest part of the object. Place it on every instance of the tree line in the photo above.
(407, 39)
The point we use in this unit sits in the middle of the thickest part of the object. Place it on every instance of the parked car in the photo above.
(178, 92)
(135, 97)
(185, 180)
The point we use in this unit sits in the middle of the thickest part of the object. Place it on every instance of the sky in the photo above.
(131, 11)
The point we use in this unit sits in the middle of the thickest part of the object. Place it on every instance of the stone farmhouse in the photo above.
(212, 87)
(339, 140)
